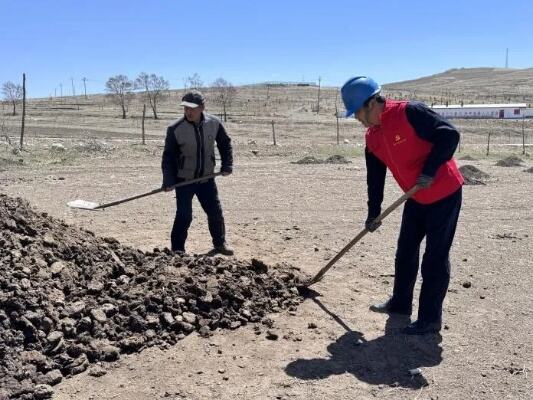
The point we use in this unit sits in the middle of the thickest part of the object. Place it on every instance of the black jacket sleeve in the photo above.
(432, 127)
(375, 179)
(225, 149)
(169, 162)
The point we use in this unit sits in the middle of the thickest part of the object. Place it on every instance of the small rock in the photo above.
(99, 315)
(467, 284)
(312, 325)
(189, 317)
(54, 337)
(43, 391)
(97, 371)
(56, 268)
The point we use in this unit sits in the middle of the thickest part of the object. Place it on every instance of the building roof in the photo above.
(510, 105)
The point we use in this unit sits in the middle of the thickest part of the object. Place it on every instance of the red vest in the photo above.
(396, 143)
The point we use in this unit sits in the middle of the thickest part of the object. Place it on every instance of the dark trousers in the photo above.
(437, 223)
(207, 195)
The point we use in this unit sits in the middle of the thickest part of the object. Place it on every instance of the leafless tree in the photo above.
(12, 93)
(153, 87)
(120, 88)
(193, 82)
(224, 94)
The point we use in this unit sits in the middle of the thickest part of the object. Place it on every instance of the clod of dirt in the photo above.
(530, 170)
(473, 176)
(511, 161)
(69, 299)
(467, 284)
(272, 335)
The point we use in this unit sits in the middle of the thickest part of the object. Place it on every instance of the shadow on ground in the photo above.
(385, 360)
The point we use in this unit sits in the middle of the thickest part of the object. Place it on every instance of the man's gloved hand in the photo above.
(424, 181)
(371, 225)
(225, 171)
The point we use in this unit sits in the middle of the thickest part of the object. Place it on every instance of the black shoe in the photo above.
(223, 249)
(389, 308)
(422, 328)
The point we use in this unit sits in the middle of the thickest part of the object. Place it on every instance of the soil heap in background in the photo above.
(530, 170)
(69, 298)
(467, 158)
(473, 175)
(334, 159)
(511, 161)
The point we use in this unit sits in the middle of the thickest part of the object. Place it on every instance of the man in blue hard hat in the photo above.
(417, 146)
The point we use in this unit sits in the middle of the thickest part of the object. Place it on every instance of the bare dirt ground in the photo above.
(276, 210)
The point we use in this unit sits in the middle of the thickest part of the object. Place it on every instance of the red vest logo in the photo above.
(398, 140)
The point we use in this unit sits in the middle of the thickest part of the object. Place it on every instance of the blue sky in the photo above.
(255, 41)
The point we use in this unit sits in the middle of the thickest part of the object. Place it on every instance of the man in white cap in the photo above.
(189, 154)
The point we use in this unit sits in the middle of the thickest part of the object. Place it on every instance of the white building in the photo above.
(499, 111)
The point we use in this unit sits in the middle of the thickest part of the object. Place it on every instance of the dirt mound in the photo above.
(511, 161)
(473, 175)
(467, 158)
(69, 298)
(334, 159)
(309, 160)
(530, 170)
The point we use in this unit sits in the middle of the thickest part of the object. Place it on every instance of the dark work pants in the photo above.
(207, 195)
(437, 223)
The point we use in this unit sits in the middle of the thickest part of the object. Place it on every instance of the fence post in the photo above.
(142, 123)
(273, 134)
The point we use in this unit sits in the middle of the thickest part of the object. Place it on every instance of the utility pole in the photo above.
(73, 88)
(507, 58)
(61, 91)
(84, 86)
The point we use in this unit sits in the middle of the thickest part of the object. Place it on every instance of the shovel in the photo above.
(89, 205)
(359, 236)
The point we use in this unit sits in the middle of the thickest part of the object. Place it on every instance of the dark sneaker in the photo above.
(389, 308)
(422, 328)
(223, 249)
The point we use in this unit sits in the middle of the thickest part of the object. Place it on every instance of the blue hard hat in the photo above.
(356, 91)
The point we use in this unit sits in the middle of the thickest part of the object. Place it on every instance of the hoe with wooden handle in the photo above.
(89, 205)
(359, 236)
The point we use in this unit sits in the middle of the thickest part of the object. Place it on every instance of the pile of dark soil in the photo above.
(530, 170)
(69, 298)
(334, 159)
(309, 160)
(511, 161)
(473, 175)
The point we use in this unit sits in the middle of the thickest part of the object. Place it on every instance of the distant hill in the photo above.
(469, 85)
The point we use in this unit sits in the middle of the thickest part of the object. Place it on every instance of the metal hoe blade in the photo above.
(83, 204)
